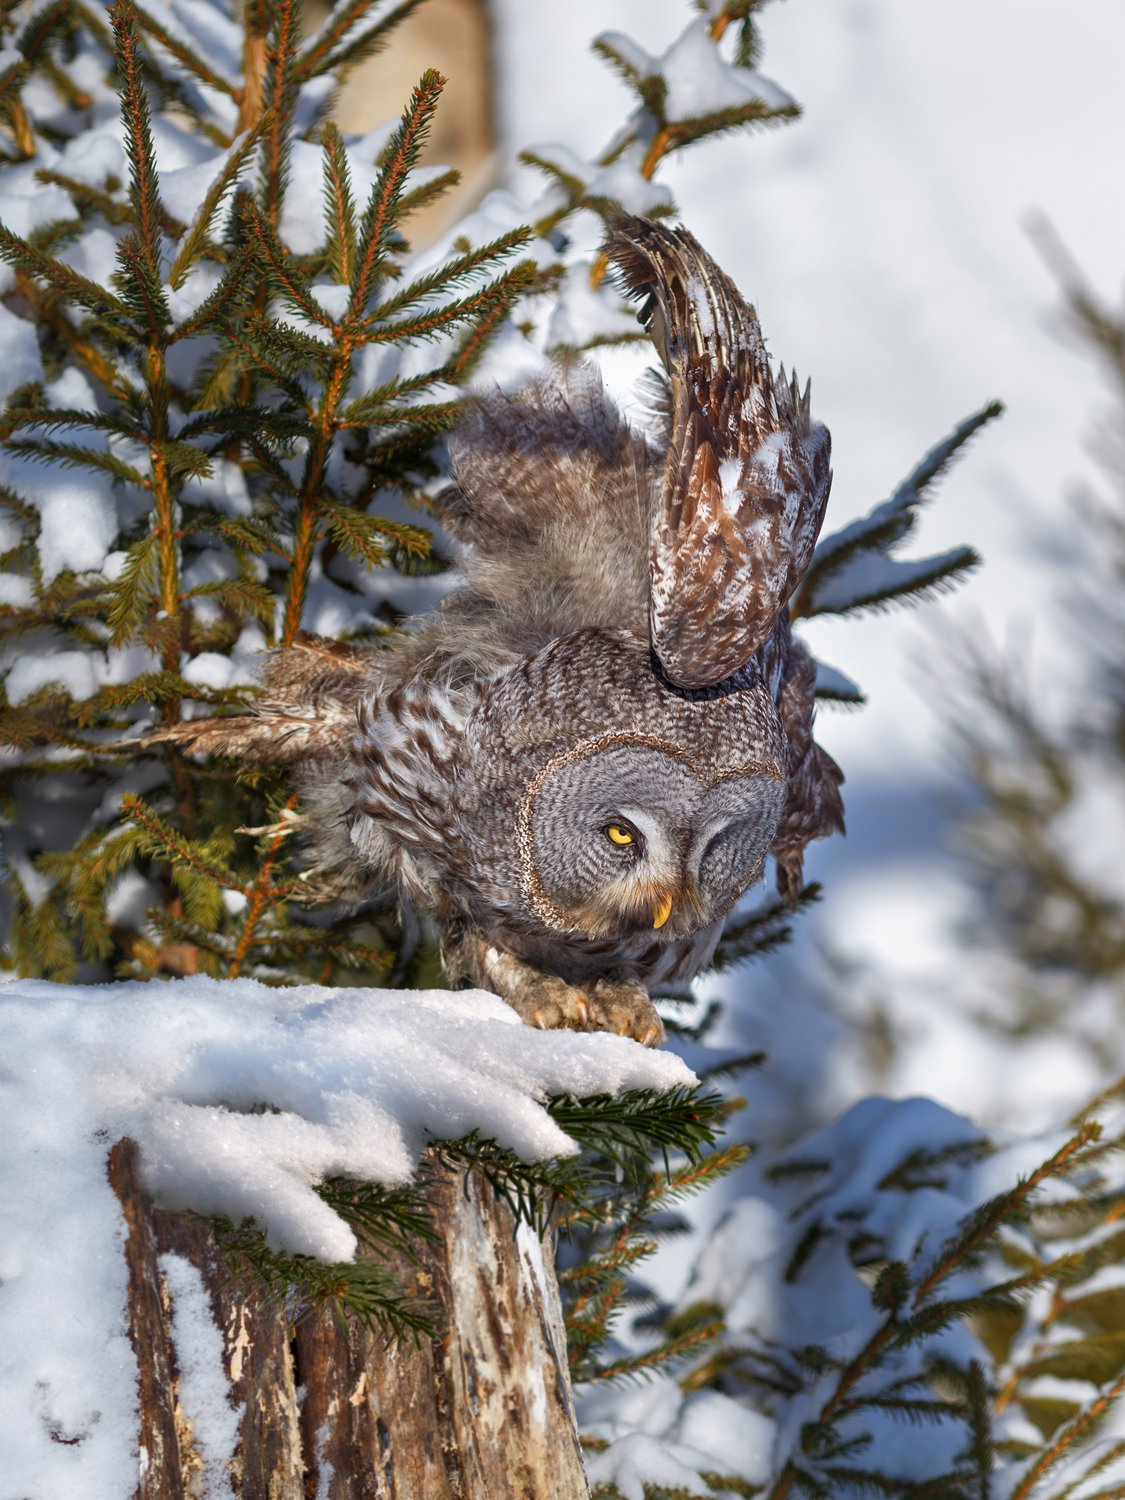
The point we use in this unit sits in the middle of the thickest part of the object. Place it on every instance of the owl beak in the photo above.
(663, 912)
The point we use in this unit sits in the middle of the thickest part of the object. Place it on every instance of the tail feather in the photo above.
(307, 710)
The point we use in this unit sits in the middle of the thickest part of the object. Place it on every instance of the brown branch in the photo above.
(259, 894)
(146, 206)
(422, 105)
(1067, 1437)
(886, 1331)
(275, 136)
(1089, 1132)
(254, 55)
(134, 809)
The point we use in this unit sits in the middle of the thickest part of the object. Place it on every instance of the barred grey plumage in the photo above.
(583, 757)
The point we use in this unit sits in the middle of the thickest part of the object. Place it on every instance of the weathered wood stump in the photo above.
(482, 1411)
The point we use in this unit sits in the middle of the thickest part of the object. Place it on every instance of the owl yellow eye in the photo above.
(618, 835)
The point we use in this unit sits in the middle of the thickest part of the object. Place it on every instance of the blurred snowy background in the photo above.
(885, 237)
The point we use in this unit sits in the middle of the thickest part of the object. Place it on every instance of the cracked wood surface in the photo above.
(481, 1411)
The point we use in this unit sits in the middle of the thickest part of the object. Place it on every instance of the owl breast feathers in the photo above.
(582, 759)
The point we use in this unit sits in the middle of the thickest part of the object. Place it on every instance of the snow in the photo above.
(636, 1460)
(362, 1079)
(302, 217)
(183, 189)
(210, 669)
(204, 1387)
(656, 1435)
(94, 156)
(93, 255)
(211, 29)
(621, 182)
(79, 673)
(78, 523)
(700, 82)
(15, 592)
(71, 670)
(581, 317)
(866, 577)
(27, 205)
(832, 683)
(21, 361)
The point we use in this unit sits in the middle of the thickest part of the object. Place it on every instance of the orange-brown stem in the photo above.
(259, 895)
(308, 517)
(253, 80)
(164, 499)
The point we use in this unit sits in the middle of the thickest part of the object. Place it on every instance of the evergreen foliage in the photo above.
(1050, 794)
(219, 325)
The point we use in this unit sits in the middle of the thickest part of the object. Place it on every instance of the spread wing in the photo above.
(747, 475)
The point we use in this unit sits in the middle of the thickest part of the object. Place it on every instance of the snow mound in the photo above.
(240, 1097)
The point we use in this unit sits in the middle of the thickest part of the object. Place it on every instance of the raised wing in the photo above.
(747, 473)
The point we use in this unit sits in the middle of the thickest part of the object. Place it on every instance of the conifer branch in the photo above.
(258, 894)
(60, 277)
(451, 273)
(339, 206)
(988, 1219)
(279, 94)
(195, 239)
(401, 153)
(186, 56)
(144, 188)
(332, 49)
(281, 272)
(1067, 1436)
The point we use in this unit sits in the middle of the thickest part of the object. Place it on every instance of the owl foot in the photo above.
(602, 1006)
(550, 1003)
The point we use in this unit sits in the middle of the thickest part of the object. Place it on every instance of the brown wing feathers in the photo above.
(747, 475)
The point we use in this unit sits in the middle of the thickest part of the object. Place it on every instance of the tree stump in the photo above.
(328, 1411)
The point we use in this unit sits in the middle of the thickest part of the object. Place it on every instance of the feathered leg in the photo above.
(548, 1002)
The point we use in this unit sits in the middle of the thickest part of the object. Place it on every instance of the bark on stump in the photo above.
(482, 1411)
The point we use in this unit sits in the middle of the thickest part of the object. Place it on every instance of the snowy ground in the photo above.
(885, 239)
(359, 1081)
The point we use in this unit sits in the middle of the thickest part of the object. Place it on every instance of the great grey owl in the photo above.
(581, 760)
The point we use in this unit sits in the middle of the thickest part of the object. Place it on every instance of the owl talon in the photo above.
(545, 1001)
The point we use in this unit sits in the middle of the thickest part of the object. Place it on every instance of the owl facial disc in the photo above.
(623, 835)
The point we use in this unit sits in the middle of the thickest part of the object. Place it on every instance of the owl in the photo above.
(582, 758)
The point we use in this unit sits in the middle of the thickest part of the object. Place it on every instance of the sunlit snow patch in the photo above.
(360, 1081)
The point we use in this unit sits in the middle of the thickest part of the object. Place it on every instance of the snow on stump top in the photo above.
(357, 1082)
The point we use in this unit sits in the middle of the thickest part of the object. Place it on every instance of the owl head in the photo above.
(612, 804)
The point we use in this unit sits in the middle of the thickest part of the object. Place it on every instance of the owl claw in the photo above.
(627, 1010)
(554, 1005)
